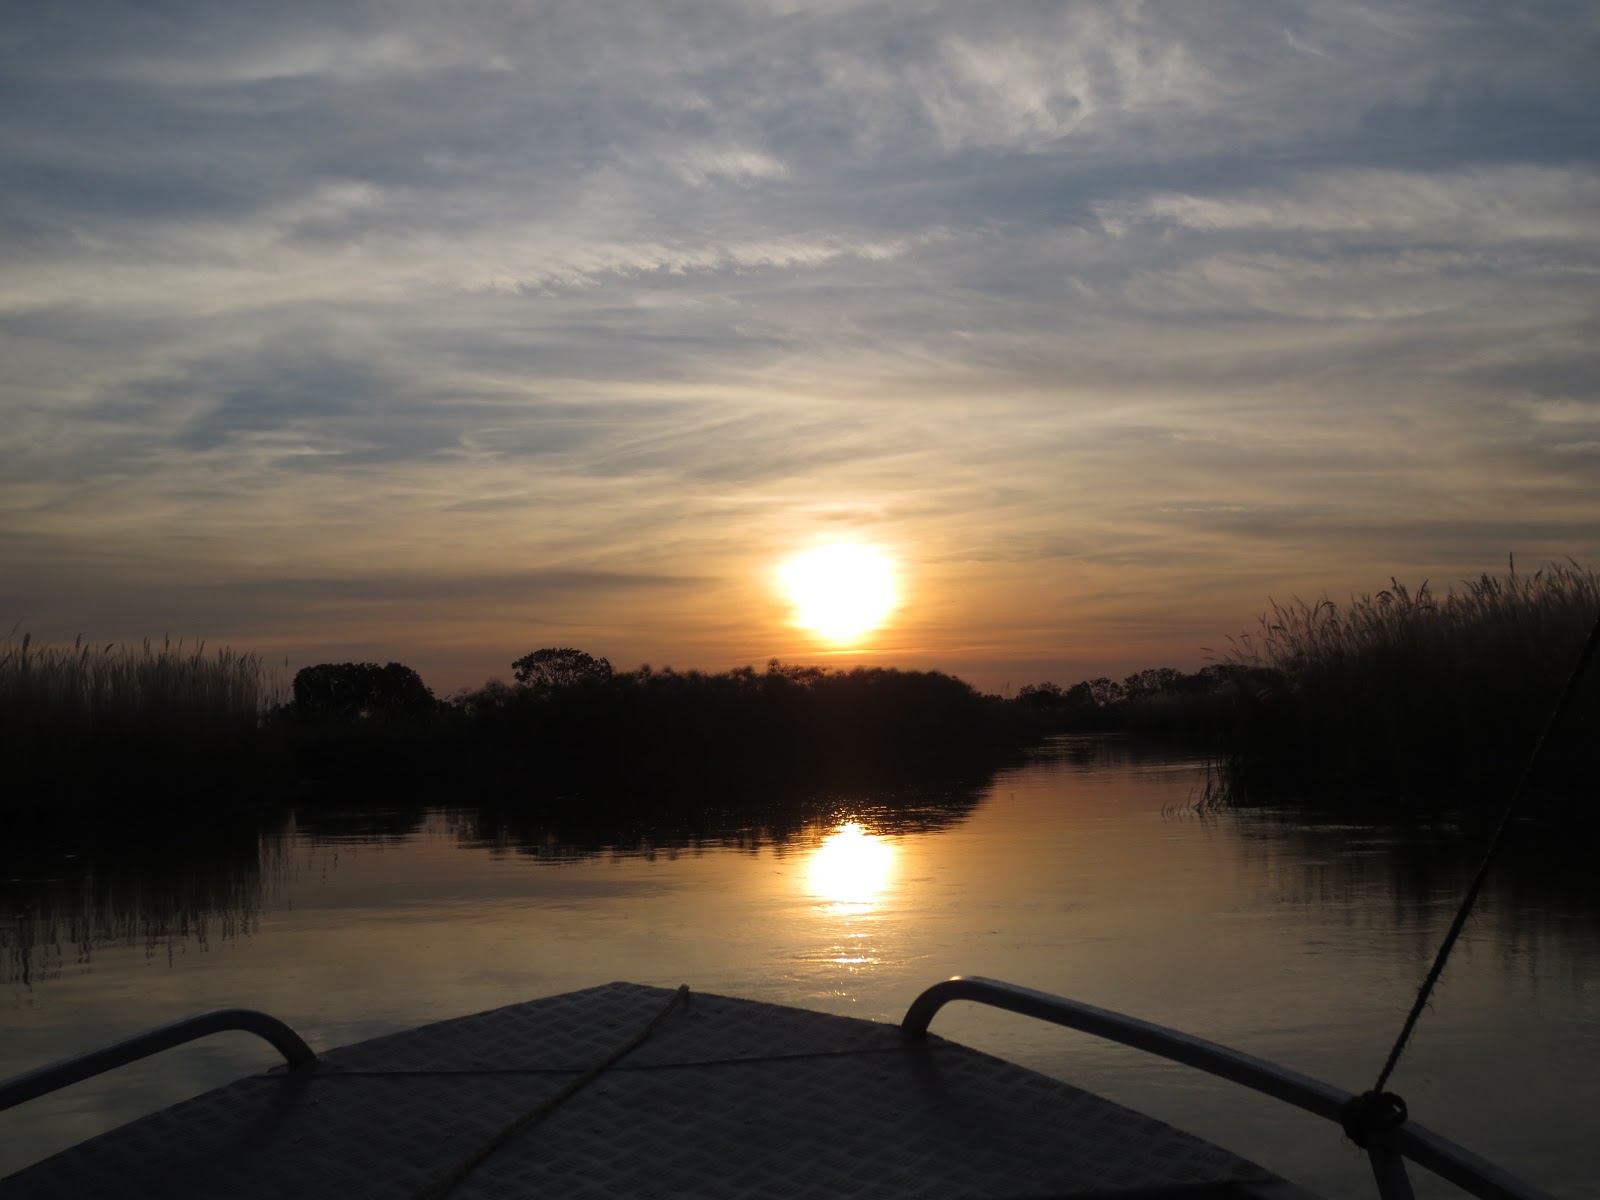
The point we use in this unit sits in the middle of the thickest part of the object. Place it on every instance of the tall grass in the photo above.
(1407, 692)
(108, 722)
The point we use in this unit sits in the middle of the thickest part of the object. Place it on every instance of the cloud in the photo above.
(1222, 297)
(1502, 204)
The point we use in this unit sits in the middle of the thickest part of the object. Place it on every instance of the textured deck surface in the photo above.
(724, 1098)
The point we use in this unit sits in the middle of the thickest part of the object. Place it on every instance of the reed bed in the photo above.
(1410, 694)
(105, 722)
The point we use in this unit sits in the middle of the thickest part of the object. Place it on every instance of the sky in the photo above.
(441, 333)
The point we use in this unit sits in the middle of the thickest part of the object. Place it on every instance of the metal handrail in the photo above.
(1386, 1149)
(54, 1076)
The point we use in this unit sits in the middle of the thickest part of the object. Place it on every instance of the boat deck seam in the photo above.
(334, 1071)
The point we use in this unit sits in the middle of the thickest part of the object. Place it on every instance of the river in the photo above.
(1084, 872)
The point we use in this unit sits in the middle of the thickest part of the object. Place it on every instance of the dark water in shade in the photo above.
(1295, 939)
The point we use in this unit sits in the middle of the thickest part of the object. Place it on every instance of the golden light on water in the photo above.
(851, 867)
(840, 592)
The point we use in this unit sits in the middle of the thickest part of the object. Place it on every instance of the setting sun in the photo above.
(840, 592)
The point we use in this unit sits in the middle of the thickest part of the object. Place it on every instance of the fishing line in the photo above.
(1377, 1108)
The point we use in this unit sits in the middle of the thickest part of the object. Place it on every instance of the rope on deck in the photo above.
(447, 1182)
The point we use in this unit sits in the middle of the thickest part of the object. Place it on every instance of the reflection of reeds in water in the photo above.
(159, 717)
(1411, 693)
(1540, 893)
(69, 924)
(68, 894)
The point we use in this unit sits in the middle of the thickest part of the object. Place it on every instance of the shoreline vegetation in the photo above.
(1404, 697)
(1408, 695)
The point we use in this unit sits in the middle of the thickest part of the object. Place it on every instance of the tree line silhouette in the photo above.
(570, 721)
(1400, 695)
(163, 725)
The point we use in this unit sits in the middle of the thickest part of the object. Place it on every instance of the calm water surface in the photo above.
(1082, 873)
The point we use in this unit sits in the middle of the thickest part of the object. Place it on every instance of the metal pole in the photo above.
(1389, 1169)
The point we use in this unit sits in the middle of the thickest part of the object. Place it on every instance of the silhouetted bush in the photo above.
(603, 730)
(376, 730)
(1158, 703)
(361, 691)
(552, 668)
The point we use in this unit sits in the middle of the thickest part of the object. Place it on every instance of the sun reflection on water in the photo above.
(851, 869)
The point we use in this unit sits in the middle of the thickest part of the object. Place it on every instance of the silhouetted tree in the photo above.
(356, 690)
(494, 695)
(1152, 681)
(1079, 697)
(551, 669)
(1074, 707)
(1047, 696)
(1107, 693)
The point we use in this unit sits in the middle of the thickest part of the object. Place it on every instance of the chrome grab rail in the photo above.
(1386, 1150)
(53, 1076)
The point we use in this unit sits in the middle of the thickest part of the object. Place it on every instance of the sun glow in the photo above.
(840, 592)
(851, 867)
